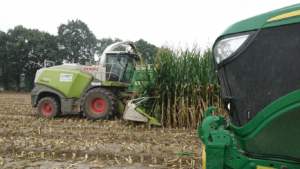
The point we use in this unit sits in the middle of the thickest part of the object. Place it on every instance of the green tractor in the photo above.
(93, 90)
(138, 77)
(257, 62)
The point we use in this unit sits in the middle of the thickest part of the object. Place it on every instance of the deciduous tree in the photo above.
(103, 43)
(147, 50)
(76, 42)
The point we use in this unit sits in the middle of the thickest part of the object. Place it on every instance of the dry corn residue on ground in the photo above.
(27, 141)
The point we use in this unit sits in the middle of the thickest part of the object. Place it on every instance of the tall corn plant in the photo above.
(187, 84)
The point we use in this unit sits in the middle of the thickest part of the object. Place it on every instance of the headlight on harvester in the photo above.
(225, 47)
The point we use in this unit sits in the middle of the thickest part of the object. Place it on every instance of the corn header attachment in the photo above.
(135, 113)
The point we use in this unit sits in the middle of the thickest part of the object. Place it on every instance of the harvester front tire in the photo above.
(99, 103)
(48, 107)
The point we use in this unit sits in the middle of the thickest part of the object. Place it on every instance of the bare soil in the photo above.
(27, 141)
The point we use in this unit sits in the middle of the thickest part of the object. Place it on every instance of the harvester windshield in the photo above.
(119, 70)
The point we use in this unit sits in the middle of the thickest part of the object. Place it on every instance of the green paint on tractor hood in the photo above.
(67, 81)
(280, 106)
(260, 21)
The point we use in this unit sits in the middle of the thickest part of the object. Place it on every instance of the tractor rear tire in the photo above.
(99, 103)
(48, 107)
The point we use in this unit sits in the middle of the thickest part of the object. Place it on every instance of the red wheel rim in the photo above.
(47, 108)
(97, 105)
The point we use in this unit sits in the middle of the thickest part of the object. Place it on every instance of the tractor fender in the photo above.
(39, 90)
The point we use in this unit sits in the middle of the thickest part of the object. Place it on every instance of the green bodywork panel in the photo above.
(137, 78)
(110, 83)
(271, 127)
(272, 111)
(222, 150)
(67, 81)
(235, 158)
(260, 21)
(280, 131)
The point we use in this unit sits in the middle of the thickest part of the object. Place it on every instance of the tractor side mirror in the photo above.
(118, 57)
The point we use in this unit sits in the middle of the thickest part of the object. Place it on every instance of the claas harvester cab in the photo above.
(93, 90)
(257, 62)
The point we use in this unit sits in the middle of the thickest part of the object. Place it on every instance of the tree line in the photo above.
(74, 43)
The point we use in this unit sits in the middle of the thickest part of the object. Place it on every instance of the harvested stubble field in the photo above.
(27, 141)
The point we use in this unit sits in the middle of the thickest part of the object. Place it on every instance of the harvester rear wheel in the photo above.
(48, 107)
(99, 103)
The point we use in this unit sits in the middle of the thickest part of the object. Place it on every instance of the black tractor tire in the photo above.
(98, 104)
(116, 112)
(48, 107)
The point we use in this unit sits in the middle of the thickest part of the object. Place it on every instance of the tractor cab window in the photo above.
(119, 71)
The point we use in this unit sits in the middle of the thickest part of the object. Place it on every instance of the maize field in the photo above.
(187, 84)
(27, 141)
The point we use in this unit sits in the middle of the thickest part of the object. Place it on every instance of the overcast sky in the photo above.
(156, 21)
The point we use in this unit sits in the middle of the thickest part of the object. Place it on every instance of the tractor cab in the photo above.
(119, 66)
(116, 66)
